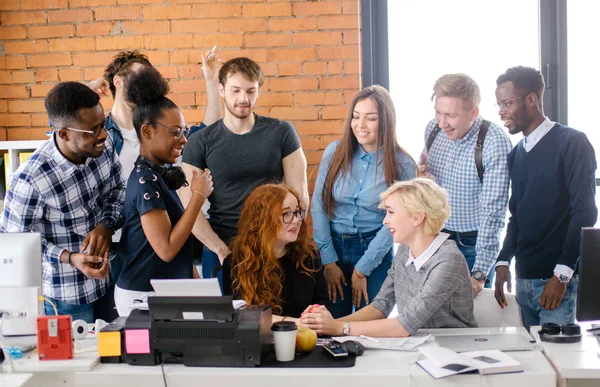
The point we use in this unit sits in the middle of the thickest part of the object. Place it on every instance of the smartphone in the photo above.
(334, 349)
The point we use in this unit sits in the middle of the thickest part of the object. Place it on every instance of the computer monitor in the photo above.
(588, 302)
(20, 282)
(20, 259)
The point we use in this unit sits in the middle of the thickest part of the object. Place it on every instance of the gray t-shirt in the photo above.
(239, 164)
(438, 295)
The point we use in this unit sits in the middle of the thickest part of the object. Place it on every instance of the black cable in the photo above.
(162, 368)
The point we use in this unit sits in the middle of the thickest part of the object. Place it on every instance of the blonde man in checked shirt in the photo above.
(71, 191)
(478, 205)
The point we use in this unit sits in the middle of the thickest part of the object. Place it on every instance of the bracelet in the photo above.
(199, 193)
(360, 276)
(284, 317)
(69, 258)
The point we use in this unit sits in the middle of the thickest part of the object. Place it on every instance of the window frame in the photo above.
(553, 55)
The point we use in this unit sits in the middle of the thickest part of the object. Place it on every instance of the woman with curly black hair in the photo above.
(156, 242)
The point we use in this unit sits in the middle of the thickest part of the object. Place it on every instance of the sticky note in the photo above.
(137, 341)
(109, 344)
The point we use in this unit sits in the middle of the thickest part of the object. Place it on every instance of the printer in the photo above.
(198, 331)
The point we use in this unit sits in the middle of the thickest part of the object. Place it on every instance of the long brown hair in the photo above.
(341, 161)
(257, 276)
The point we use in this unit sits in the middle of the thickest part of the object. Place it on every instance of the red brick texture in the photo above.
(309, 51)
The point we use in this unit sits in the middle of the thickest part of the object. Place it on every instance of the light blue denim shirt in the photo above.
(356, 200)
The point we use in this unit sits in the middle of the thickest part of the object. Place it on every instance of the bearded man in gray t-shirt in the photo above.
(242, 151)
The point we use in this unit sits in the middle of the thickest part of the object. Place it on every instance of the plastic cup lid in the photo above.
(283, 326)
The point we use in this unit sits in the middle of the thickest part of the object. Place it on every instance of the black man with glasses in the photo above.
(272, 260)
(553, 184)
(71, 191)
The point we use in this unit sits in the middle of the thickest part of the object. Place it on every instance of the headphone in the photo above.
(174, 177)
(551, 333)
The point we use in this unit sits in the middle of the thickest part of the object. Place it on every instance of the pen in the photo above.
(368, 338)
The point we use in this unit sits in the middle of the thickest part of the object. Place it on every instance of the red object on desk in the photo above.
(54, 337)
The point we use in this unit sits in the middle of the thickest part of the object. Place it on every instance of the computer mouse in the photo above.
(353, 347)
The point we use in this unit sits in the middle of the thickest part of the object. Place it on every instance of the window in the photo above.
(581, 71)
(468, 36)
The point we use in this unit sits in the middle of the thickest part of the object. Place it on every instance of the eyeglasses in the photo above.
(177, 133)
(95, 131)
(507, 103)
(288, 216)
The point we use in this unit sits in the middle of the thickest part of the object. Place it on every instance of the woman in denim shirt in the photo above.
(355, 250)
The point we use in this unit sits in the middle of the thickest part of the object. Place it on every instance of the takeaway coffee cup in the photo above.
(284, 336)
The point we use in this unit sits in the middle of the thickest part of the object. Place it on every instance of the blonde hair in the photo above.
(421, 195)
(458, 85)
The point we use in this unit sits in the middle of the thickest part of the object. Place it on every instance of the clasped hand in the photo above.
(320, 320)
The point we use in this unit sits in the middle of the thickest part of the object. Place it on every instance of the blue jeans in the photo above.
(529, 292)
(102, 308)
(350, 248)
(466, 245)
(210, 260)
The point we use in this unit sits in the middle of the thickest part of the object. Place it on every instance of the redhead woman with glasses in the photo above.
(272, 261)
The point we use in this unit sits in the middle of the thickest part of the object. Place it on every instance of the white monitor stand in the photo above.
(23, 306)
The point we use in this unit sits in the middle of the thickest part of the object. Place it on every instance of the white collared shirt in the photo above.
(538, 134)
(424, 257)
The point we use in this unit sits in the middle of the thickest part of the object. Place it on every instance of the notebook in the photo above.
(442, 362)
(501, 341)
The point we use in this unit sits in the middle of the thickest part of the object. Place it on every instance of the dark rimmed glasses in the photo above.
(177, 133)
(95, 131)
(288, 216)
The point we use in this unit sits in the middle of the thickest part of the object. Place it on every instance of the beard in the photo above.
(521, 123)
(240, 116)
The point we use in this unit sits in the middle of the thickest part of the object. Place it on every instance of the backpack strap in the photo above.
(483, 129)
(432, 136)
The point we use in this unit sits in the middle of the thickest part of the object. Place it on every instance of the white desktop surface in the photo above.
(85, 361)
(15, 380)
(573, 361)
(49, 373)
(374, 368)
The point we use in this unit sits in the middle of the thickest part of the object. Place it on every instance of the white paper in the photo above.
(198, 287)
(437, 372)
(237, 304)
(390, 343)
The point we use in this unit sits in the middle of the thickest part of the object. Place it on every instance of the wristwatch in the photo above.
(110, 223)
(346, 331)
(478, 275)
(563, 279)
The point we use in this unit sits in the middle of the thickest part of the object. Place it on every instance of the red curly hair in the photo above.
(258, 275)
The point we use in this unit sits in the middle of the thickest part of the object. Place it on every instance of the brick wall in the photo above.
(308, 51)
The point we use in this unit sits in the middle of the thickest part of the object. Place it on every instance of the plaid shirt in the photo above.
(64, 202)
(475, 206)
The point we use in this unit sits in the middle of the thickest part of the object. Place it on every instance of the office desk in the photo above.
(374, 368)
(58, 373)
(577, 364)
(15, 380)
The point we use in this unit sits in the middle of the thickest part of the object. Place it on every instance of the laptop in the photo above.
(501, 341)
